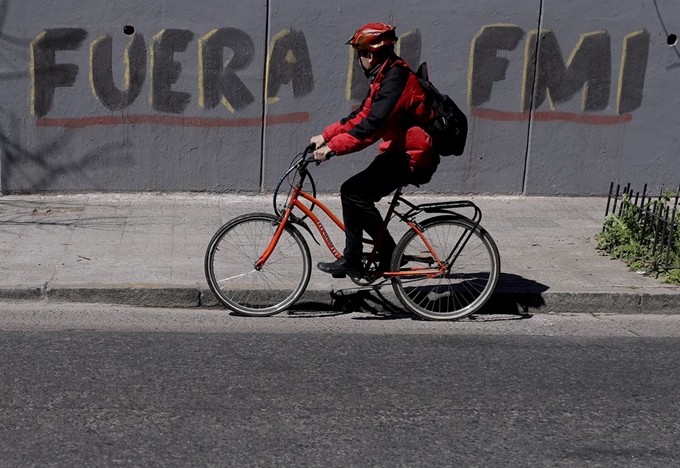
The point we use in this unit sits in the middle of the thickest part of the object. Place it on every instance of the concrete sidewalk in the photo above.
(148, 249)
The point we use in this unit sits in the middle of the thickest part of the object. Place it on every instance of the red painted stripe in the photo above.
(172, 121)
(588, 119)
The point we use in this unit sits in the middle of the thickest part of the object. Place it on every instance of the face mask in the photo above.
(372, 71)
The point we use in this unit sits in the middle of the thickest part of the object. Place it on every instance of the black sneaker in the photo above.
(340, 268)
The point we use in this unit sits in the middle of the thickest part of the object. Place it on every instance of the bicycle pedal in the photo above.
(339, 275)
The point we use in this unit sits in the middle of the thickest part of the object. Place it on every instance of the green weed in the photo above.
(630, 236)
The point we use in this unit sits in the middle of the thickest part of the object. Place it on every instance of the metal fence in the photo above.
(656, 215)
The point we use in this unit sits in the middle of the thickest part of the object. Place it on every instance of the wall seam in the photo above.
(530, 127)
(264, 99)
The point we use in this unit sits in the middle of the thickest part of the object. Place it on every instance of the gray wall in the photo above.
(179, 104)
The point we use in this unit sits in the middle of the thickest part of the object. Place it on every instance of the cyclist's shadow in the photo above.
(513, 299)
(368, 300)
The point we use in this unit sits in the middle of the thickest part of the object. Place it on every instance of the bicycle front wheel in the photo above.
(469, 279)
(230, 265)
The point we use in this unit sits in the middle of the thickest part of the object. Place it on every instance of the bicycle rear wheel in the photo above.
(230, 265)
(464, 287)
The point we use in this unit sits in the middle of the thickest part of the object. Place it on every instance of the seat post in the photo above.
(398, 192)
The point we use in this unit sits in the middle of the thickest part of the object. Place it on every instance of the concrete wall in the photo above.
(562, 96)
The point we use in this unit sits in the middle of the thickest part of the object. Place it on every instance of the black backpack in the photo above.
(450, 127)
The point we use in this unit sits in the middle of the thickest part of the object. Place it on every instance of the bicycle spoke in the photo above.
(468, 282)
(278, 282)
(236, 276)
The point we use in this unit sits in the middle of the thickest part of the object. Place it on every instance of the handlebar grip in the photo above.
(328, 156)
(310, 149)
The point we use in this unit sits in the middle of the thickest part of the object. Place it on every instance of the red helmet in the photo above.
(374, 36)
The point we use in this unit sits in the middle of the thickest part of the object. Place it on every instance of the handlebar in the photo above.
(310, 149)
(300, 167)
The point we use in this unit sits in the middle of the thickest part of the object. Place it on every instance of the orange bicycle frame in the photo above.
(295, 202)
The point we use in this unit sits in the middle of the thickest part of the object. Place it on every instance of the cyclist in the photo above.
(395, 111)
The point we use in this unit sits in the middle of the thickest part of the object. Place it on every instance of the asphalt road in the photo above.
(112, 386)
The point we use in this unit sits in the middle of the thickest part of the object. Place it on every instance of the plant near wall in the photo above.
(631, 235)
(673, 276)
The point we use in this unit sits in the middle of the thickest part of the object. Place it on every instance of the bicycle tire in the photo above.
(231, 256)
(467, 284)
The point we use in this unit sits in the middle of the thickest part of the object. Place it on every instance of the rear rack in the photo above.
(447, 207)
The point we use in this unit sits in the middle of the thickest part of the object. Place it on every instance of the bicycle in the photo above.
(445, 267)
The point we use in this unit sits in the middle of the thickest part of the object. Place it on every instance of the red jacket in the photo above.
(395, 111)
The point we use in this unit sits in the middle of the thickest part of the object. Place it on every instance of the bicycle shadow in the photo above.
(513, 299)
(368, 300)
(514, 296)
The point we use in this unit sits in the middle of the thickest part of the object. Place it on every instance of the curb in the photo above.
(384, 299)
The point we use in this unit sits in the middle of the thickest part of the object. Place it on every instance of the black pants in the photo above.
(359, 193)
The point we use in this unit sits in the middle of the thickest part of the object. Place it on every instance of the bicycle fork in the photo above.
(279, 230)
